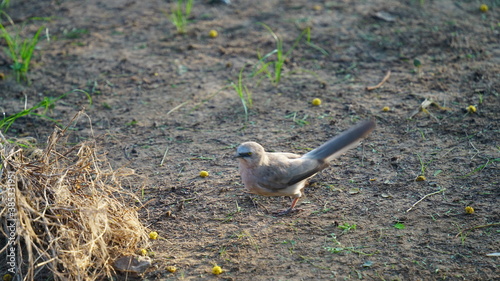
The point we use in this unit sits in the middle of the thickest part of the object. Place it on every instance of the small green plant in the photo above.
(418, 65)
(292, 244)
(75, 33)
(47, 103)
(243, 93)
(180, 15)
(482, 167)
(223, 251)
(423, 165)
(339, 248)
(273, 69)
(299, 121)
(399, 225)
(230, 215)
(20, 51)
(463, 233)
(346, 227)
(132, 123)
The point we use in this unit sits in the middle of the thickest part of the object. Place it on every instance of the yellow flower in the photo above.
(484, 8)
(144, 252)
(471, 109)
(217, 270)
(153, 235)
(213, 33)
(420, 178)
(386, 108)
(203, 174)
(469, 210)
(317, 8)
(316, 102)
(171, 268)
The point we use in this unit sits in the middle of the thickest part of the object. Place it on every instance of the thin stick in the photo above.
(476, 227)
(164, 156)
(421, 199)
(381, 82)
(477, 151)
(177, 107)
(2, 137)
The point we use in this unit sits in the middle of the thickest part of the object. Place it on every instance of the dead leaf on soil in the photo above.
(386, 195)
(354, 190)
(385, 16)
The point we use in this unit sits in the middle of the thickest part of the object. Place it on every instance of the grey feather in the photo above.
(341, 143)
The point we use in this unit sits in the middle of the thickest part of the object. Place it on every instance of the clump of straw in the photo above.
(69, 210)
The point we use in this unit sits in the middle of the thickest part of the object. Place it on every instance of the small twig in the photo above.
(447, 152)
(2, 137)
(477, 151)
(177, 107)
(386, 77)
(46, 175)
(476, 227)
(164, 156)
(421, 199)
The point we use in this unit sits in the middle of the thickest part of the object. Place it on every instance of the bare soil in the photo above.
(158, 95)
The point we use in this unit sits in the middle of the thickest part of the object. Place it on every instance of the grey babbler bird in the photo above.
(286, 174)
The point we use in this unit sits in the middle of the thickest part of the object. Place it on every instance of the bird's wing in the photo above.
(305, 169)
(341, 143)
(286, 169)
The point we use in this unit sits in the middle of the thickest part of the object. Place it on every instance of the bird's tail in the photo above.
(341, 143)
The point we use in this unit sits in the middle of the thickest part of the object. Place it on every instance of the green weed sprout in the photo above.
(179, 15)
(399, 225)
(346, 227)
(243, 92)
(273, 69)
(4, 4)
(299, 121)
(47, 103)
(20, 51)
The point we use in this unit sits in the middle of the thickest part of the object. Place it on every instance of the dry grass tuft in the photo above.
(71, 213)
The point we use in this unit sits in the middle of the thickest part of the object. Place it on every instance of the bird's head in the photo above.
(251, 153)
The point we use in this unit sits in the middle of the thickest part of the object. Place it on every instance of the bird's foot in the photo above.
(287, 211)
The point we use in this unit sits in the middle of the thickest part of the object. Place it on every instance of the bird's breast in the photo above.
(252, 177)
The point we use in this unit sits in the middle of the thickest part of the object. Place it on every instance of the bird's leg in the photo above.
(294, 202)
(291, 209)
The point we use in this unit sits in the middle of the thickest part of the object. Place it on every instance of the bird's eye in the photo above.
(246, 154)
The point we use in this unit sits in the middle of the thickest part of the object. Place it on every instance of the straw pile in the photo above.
(69, 210)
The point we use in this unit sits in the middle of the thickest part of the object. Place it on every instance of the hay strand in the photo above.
(71, 215)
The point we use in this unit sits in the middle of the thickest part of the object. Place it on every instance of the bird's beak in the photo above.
(242, 155)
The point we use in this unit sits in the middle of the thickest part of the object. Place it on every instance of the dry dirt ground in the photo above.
(160, 97)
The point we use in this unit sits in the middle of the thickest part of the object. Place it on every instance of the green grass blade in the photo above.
(314, 46)
(28, 49)
(295, 43)
(189, 6)
(47, 103)
(240, 94)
